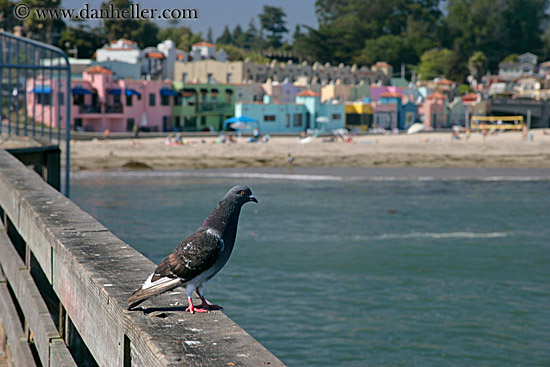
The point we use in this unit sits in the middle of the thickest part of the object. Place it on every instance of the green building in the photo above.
(201, 107)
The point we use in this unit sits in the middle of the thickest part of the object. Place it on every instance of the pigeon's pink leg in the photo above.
(205, 305)
(192, 309)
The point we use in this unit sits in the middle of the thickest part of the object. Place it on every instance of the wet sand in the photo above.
(505, 150)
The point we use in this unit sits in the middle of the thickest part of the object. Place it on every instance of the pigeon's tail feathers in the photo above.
(150, 289)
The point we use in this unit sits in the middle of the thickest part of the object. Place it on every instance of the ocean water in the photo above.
(362, 273)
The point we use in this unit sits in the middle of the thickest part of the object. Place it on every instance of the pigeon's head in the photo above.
(240, 194)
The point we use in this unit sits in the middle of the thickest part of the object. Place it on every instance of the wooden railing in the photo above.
(64, 282)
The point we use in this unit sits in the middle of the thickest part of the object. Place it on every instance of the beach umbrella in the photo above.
(415, 128)
(239, 125)
(241, 119)
(143, 119)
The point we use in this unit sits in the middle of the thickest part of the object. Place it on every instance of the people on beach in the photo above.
(289, 163)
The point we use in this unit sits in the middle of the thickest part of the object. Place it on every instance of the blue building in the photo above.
(307, 113)
(391, 113)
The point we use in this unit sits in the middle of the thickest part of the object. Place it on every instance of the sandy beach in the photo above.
(505, 150)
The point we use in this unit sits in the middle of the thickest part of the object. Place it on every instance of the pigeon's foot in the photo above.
(195, 309)
(205, 305)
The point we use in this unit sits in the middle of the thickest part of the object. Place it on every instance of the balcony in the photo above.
(89, 109)
(113, 109)
(214, 107)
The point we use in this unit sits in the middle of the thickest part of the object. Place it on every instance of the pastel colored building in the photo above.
(99, 102)
(358, 115)
(202, 106)
(434, 111)
(336, 92)
(391, 113)
(284, 92)
(456, 112)
(360, 92)
(307, 113)
(376, 92)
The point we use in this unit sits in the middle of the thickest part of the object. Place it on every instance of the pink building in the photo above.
(99, 102)
(433, 109)
(375, 92)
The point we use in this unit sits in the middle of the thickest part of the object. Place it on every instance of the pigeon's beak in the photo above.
(253, 198)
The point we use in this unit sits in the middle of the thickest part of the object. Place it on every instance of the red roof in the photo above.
(155, 55)
(445, 82)
(206, 44)
(308, 93)
(470, 97)
(391, 95)
(98, 70)
(436, 95)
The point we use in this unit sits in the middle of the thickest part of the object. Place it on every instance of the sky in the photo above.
(218, 13)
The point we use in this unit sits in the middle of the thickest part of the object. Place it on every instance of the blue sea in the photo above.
(383, 272)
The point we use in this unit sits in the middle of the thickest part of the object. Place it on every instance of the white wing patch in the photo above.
(149, 284)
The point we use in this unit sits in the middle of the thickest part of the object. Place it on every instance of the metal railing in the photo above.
(35, 88)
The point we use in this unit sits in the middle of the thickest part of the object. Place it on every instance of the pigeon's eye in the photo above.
(242, 192)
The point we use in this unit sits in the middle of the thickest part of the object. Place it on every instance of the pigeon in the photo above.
(200, 256)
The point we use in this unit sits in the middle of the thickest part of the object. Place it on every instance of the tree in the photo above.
(86, 41)
(236, 36)
(250, 38)
(182, 36)
(272, 20)
(7, 19)
(435, 63)
(146, 33)
(494, 27)
(46, 29)
(117, 28)
(209, 37)
(225, 38)
(477, 65)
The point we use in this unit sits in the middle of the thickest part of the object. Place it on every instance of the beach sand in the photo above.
(505, 150)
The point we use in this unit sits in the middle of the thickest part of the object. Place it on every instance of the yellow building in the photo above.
(358, 114)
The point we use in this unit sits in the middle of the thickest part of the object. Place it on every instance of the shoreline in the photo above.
(345, 174)
(504, 150)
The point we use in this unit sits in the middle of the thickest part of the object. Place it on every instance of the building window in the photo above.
(165, 100)
(152, 99)
(336, 116)
(203, 120)
(184, 77)
(177, 122)
(128, 100)
(78, 124)
(229, 78)
(287, 120)
(78, 100)
(116, 100)
(43, 98)
(269, 118)
(61, 98)
(209, 78)
(130, 124)
(297, 120)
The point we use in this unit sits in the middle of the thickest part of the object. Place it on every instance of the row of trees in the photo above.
(463, 37)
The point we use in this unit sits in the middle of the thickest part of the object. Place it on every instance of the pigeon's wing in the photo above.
(191, 257)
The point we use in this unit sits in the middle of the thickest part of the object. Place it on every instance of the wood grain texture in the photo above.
(93, 273)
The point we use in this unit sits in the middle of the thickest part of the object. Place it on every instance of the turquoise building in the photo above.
(306, 113)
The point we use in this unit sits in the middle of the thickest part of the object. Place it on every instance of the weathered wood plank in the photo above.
(17, 342)
(31, 302)
(93, 273)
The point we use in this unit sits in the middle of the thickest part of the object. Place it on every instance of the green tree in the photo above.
(86, 41)
(494, 27)
(209, 37)
(250, 38)
(477, 65)
(46, 30)
(225, 38)
(236, 36)
(272, 20)
(182, 36)
(117, 28)
(435, 63)
(7, 19)
(146, 33)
